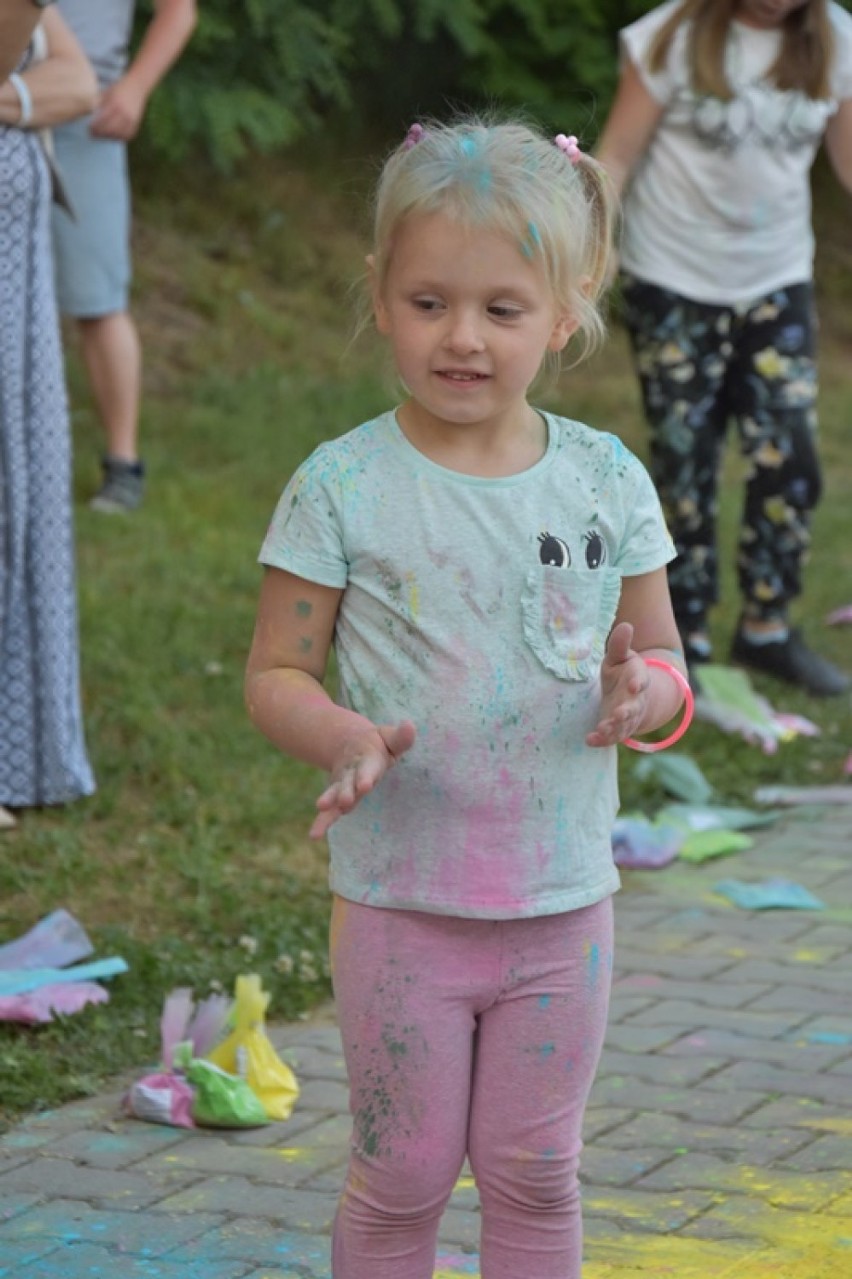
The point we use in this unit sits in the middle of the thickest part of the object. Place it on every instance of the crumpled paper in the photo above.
(35, 982)
(728, 700)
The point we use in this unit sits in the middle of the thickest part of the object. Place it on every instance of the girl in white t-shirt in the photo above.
(493, 581)
(721, 107)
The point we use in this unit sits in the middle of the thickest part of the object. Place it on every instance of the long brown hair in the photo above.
(803, 62)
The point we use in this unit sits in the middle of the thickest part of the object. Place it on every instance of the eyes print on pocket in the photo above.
(554, 552)
(595, 550)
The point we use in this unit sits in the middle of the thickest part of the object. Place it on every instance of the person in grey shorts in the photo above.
(92, 248)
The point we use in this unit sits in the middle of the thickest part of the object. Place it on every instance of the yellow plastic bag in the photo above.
(248, 1053)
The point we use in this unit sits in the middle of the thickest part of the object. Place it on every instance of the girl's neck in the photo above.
(488, 450)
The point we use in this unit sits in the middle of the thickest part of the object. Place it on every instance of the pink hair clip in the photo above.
(415, 134)
(570, 146)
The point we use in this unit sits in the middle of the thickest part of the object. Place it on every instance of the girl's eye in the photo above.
(504, 312)
(426, 304)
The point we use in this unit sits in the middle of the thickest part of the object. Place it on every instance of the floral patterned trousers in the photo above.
(701, 366)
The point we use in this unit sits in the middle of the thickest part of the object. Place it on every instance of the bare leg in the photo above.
(113, 356)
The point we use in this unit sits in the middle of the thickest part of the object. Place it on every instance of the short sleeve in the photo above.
(646, 544)
(305, 536)
(841, 71)
(635, 43)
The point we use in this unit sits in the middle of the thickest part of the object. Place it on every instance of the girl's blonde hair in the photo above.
(803, 62)
(556, 205)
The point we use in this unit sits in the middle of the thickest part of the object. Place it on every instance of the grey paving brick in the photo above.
(257, 1243)
(807, 973)
(793, 999)
(677, 1012)
(676, 1134)
(731, 994)
(326, 1095)
(758, 1076)
(794, 1054)
(603, 1167)
(632, 1038)
(62, 1179)
(685, 967)
(12, 1204)
(655, 1068)
(123, 1148)
(133, 1234)
(307, 1211)
(15, 1255)
(309, 1061)
(832, 1152)
(209, 1154)
(83, 1261)
(692, 1103)
(775, 1186)
(796, 1112)
(641, 1210)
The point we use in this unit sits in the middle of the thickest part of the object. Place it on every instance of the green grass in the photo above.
(192, 860)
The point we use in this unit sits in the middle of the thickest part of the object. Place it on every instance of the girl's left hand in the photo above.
(624, 687)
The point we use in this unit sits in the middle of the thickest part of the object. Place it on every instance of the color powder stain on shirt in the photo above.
(544, 1001)
(546, 1050)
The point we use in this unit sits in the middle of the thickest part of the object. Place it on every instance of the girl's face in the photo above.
(766, 13)
(469, 319)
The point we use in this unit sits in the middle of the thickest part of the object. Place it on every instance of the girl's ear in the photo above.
(567, 325)
(564, 328)
(380, 313)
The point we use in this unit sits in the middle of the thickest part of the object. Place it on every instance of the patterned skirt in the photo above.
(42, 749)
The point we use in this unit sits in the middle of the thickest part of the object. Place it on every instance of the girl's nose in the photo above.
(464, 333)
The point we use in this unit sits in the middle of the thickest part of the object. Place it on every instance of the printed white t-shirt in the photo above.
(719, 208)
(478, 608)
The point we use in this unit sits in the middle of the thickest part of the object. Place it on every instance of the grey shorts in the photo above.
(92, 251)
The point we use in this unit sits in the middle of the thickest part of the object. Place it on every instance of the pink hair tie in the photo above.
(688, 710)
(570, 146)
(415, 134)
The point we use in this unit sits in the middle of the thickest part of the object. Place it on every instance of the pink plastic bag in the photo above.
(166, 1096)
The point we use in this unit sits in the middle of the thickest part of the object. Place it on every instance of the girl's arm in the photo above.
(838, 143)
(61, 87)
(635, 697)
(632, 122)
(286, 699)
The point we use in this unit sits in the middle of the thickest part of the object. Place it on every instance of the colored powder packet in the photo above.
(782, 894)
(702, 845)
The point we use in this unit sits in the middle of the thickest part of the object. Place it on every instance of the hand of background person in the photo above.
(624, 686)
(119, 112)
(363, 762)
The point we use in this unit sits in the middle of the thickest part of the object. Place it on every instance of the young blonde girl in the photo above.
(721, 107)
(492, 578)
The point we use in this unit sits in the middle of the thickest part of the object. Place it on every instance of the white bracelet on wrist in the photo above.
(24, 97)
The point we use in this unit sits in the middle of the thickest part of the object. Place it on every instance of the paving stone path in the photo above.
(718, 1141)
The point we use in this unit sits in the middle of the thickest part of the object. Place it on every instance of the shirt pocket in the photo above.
(567, 617)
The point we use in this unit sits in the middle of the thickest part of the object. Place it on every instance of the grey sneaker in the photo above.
(122, 488)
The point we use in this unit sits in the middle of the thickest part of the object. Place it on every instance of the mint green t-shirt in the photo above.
(478, 608)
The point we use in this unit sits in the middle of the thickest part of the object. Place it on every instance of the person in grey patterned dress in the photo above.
(43, 756)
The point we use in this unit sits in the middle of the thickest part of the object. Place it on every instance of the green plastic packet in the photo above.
(221, 1100)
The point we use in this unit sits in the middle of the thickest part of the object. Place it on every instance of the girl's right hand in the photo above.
(363, 762)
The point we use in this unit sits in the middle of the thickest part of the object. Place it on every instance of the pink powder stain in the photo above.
(487, 879)
(559, 612)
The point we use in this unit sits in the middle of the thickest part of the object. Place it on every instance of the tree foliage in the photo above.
(262, 74)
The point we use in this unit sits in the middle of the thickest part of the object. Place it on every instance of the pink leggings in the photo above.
(467, 1037)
